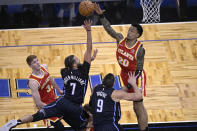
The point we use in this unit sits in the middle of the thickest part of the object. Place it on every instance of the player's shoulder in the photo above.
(121, 40)
(45, 66)
(32, 83)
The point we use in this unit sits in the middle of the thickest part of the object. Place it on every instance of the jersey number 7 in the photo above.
(73, 85)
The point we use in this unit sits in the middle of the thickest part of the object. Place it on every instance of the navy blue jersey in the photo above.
(75, 82)
(104, 109)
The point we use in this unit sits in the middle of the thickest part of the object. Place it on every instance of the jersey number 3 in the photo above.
(99, 105)
(123, 62)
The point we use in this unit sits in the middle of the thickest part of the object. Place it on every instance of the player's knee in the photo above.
(85, 116)
(58, 125)
(38, 116)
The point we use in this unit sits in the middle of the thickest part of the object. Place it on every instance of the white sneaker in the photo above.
(9, 125)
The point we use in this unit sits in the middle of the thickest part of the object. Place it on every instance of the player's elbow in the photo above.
(138, 97)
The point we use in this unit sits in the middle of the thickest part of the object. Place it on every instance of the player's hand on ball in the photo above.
(98, 9)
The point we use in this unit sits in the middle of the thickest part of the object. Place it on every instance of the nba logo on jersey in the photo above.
(133, 51)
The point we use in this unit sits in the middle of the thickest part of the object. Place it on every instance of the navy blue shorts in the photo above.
(72, 113)
(108, 127)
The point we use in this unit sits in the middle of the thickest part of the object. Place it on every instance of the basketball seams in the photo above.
(86, 8)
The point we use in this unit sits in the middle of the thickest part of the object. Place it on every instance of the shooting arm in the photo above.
(88, 53)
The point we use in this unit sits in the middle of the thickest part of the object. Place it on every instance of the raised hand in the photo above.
(98, 10)
(87, 25)
(94, 55)
(132, 78)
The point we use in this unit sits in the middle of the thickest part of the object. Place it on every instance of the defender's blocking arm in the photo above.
(106, 24)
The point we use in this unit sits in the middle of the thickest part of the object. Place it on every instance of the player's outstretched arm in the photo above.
(88, 53)
(33, 85)
(122, 95)
(106, 24)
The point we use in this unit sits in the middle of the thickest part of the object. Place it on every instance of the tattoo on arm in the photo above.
(110, 30)
(140, 58)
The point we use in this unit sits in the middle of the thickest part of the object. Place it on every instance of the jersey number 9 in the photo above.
(99, 105)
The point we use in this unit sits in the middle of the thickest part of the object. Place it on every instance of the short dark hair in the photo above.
(139, 29)
(30, 58)
(109, 80)
(69, 61)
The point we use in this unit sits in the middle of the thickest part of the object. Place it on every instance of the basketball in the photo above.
(86, 8)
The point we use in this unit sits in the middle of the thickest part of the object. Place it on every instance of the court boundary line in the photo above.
(96, 43)
(127, 128)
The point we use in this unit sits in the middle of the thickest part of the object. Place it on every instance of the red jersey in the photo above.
(127, 59)
(46, 90)
(127, 56)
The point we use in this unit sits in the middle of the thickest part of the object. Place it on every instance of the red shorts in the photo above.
(140, 83)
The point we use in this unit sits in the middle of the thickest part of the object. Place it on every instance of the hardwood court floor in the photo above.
(170, 64)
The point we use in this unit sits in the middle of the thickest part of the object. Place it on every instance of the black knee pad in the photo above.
(58, 125)
(39, 115)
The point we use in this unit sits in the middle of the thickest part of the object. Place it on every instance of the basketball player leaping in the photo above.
(130, 56)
